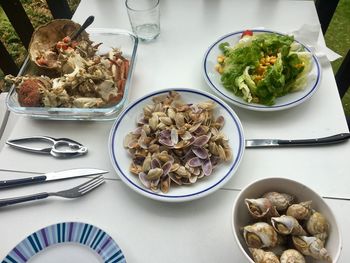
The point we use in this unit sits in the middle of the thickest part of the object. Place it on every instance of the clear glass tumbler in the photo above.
(144, 18)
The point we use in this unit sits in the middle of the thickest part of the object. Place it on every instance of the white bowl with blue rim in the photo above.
(213, 78)
(127, 122)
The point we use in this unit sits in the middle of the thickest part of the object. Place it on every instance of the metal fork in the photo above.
(74, 192)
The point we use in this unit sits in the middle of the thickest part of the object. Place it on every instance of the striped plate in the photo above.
(87, 235)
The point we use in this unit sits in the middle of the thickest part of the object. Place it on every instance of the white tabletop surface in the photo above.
(174, 60)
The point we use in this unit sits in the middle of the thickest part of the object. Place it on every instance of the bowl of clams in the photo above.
(176, 144)
(283, 221)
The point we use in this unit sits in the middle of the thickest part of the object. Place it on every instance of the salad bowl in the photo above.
(309, 86)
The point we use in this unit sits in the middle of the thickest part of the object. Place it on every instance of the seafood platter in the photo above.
(278, 220)
(179, 144)
(85, 78)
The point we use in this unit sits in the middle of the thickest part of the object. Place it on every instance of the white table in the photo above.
(198, 231)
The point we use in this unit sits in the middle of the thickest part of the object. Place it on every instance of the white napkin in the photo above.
(309, 35)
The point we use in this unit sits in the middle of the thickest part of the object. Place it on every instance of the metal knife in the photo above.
(52, 176)
(257, 143)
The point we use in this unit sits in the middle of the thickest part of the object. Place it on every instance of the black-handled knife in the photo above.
(52, 176)
(257, 143)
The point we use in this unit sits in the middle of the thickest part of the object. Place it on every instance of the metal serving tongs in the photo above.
(58, 147)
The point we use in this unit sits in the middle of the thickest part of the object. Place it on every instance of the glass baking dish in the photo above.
(110, 38)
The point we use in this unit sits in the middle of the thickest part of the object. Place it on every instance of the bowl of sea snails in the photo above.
(279, 220)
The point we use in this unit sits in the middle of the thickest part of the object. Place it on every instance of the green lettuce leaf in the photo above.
(245, 77)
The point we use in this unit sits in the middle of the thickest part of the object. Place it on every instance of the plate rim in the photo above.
(260, 107)
(42, 239)
(185, 197)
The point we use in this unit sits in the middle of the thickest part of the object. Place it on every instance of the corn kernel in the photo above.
(220, 59)
(272, 60)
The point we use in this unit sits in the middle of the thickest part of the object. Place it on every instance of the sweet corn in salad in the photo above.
(263, 67)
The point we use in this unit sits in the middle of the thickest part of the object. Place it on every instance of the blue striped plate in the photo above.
(69, 232)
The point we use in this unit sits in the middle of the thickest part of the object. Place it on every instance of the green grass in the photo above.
(39, 14)
(338, 39)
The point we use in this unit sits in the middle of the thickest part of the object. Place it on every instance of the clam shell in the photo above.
(207, 167)
(171, 113)
(181, 171)
(195, 162)
(175, 179)
(200, 152)
(179, 120)
(193, 178)
(262, 256)
(154, 174)
(200, 141)
(166, 120)
(144, 180)
(292, 256)
(147, 111)
(260, 235)
(146, 166)
(166, 167)
(206, 105)
(174, 136)
(155, 163)
(165, 183)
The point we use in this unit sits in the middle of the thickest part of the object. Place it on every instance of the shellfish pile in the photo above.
(176, 143)
(72, 74)
(285, 231)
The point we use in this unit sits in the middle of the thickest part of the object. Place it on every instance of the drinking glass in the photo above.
(144, 18)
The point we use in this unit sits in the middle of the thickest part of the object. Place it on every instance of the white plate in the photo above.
(126, 122)
(67, 242)
(213, 78)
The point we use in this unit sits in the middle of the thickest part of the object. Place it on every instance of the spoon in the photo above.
(87, 23)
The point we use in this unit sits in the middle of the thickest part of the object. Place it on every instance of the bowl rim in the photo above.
(184, 197)
(335, 257)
